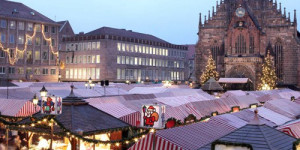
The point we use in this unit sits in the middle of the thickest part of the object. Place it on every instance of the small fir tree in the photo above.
(210, 71)
(268, 78)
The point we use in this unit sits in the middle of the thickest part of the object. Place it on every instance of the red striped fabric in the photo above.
(27, 109)
(148, 143)
(133, 119)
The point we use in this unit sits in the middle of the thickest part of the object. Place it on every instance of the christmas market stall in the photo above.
(212, 86)
(292, 128)
(74, 125)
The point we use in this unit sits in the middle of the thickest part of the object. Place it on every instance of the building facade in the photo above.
(239, 34)
(120, 55)
(28, 45)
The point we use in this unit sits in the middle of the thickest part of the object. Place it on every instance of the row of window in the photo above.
(142, 74)
(83, 46)
(21, 71)
(83, 59)
(82, 73)
(37, 55)
(21, 40)
(128, 60)
(149, 50)
(29, 27)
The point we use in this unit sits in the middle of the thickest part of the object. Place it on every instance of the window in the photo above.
(123, 59)
(279, 60)
(53, 30)
(45, 42)
(51, 56)
(12, 25)
(21, 26)
(98, 45)
(21, 39)
(2, 70)
(37, 41)
(29, 26)
(93, 59)
(214, 52)
(20, 70)
(3, 23)
(123, 47)
(94, 45)
(127, 47)
(119, 59)
(3, 38)
(37, 71)
(29, 40)
(98, 59)
(38, 27)
(67, 73)
(29, 70)
(45, 55)
(20, 54)
(97, 73)
(119, 46)
(240, 45)
(53, 71)
(46, 29)
(89, 46)
(251, 46)
(45, 71)
(53, 42)
(37, 55)
(2, 54)
(11, 38)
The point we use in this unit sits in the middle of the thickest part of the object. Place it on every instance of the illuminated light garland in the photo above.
(13, 59)
(268, 78)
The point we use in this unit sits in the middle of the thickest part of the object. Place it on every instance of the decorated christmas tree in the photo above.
(268, 78)
(210, 71)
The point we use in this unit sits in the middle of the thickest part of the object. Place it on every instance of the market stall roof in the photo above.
(292, 128)
(284, 107)
(272, 116)
(78, 114)
(234, 80)
(212, 85)
(259, 136)
(17, 108)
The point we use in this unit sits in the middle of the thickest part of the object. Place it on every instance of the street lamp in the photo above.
(43, 92)
(59, 77)
(89, 84)
(35, 101)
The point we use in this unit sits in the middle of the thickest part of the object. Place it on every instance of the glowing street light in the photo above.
(43, 92)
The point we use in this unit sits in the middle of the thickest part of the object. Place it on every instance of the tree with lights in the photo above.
(268, 78)
(210, 71)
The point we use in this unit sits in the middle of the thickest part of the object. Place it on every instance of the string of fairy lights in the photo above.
(49, 121)
(14, 58)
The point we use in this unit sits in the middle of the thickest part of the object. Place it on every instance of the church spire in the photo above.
(204, 19)
(200, 21)
(217, 6)
(295, 18)
(208, 15)
(284, 13)
(213, 11)
(289, 17)
(280, 8)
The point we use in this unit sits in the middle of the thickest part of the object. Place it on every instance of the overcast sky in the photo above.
(175, 21)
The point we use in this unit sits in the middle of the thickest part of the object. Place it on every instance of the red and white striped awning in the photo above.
(17, 108)
(133, 119)
(291, 128)
(159, 144)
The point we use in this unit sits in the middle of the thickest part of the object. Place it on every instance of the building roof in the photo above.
(260, 137)
(125, 33)
(233, 80)
(20, 11)
(212, 85)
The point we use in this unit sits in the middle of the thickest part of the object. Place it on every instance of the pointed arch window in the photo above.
(251, 45)
(240, 45)
(279, 60)
(215, 51)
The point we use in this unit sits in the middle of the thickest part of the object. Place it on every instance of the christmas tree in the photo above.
(210, 71)
(268, 78)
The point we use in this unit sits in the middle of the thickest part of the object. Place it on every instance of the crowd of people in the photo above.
(14, 143)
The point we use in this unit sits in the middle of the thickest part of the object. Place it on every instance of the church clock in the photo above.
(240, 12)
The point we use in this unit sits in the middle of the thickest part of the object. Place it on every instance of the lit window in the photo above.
(37, 27)
(37, 55)
(94, 45)
(29, 26)
(98, 45)
(119, 46)
(119, 59)
(37, 41)
(123, 47)
(98, 59)
(21, 39)
(12, 25)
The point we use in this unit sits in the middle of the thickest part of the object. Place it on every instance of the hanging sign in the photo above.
(153, 116)
(51, 105)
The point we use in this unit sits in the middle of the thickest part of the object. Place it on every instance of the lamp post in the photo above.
(59, 77)
(43, 92)
(35, 101)
(89, 84)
